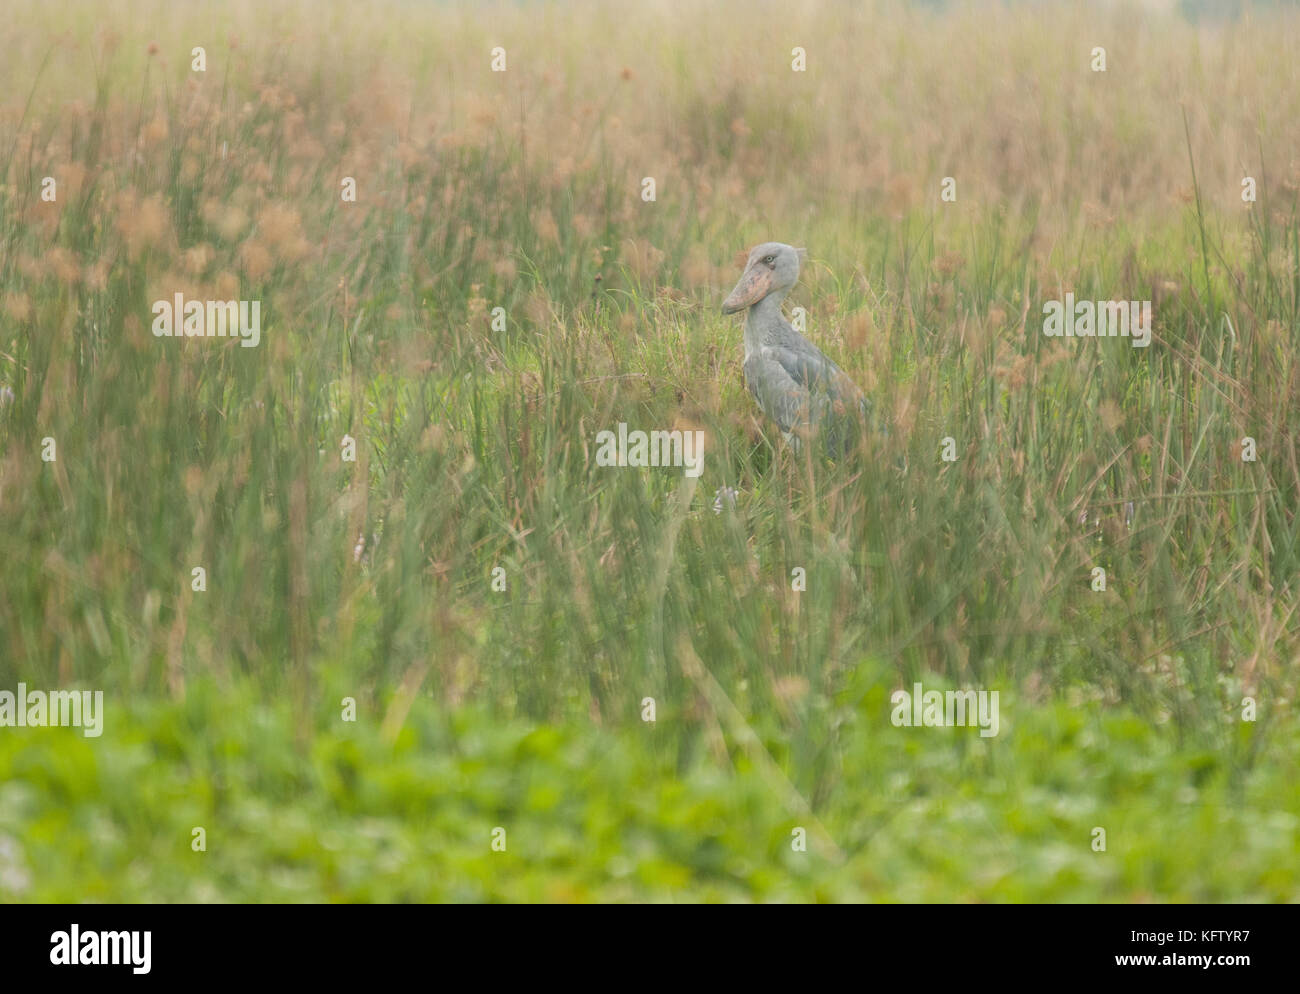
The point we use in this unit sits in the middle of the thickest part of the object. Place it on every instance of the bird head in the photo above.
(772, 268)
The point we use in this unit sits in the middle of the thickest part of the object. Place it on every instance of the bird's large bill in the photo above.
(753, 287)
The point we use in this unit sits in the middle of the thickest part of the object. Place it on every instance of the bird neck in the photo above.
(762, 321)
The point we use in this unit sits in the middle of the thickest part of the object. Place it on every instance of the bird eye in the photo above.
(770, 259)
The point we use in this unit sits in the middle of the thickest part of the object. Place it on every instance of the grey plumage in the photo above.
(793, 381)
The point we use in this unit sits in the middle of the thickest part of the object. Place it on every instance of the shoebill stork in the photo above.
(795, 384)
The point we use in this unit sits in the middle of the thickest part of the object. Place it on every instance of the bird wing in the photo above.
(781, 394)
(800, 387)
(808, 369)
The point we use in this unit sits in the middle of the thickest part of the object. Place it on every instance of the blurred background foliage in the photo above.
(521, 708)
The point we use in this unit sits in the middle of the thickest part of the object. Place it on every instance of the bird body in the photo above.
(793, 381)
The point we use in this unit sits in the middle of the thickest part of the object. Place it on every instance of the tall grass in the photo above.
(521, 190)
